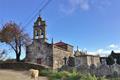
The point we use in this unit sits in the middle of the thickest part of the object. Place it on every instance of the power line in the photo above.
(45, 5)
(28, 19)
(38, 11)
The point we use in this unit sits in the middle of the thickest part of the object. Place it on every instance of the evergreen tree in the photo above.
(110, 60)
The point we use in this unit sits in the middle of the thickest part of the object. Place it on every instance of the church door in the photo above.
(39, 60)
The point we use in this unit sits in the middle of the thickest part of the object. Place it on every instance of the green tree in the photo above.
(14, 36)
(110, 60)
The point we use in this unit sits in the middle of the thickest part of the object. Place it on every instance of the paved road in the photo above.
(17, 75)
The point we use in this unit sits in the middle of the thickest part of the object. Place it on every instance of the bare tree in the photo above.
(13, 35)
(3, 55)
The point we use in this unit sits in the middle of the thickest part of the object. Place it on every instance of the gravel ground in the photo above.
(17, 75)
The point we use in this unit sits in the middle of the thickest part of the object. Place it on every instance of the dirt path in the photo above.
(16, 75)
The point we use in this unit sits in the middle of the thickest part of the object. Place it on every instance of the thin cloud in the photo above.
(67, 10)
(84, 4)
(113, 46)
(106, 50)
(81, 4)
(72, 5)
(103, 52)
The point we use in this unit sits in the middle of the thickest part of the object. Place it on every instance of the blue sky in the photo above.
(93, 25)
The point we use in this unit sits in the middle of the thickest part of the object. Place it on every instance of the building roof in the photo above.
(60, 43)
(63, 45)
(86, 55)
(103, 57)
(83, 54)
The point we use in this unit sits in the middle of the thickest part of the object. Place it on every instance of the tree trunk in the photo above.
(18, 57)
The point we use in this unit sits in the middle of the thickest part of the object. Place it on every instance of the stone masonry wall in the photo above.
(58, 55)
(41, 52)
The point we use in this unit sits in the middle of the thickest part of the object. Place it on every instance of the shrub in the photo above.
(88, 77)
(45, 72)
(74, 75)
(58, 75)
(65, 75)
(102, 78)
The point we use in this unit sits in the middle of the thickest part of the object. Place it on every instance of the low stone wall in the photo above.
(21, 66)
(101, 70)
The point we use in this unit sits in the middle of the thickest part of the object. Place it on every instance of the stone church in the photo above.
(42, 52)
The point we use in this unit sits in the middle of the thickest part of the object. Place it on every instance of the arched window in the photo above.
(36, 33)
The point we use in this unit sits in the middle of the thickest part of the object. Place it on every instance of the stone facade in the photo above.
(82, 58)
(58, 56)
(42, 52)
(39, 54)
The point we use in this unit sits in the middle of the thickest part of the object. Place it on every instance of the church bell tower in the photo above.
(39, 30)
